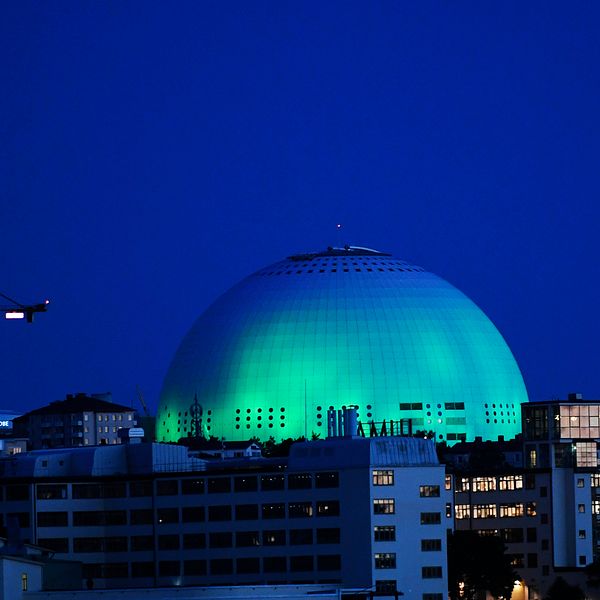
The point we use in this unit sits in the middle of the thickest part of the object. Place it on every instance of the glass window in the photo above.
(274, 537)
(484, 484)
(301, 563)
(431, 545)
(246, 512)
(167, 487)
(431, 518)
(194, 567)
(248, 565)
(245, 484)
(219, 485)
(384, 533)
(192, 486)
(270, 483)
(431, 572)
(167, 515)
(328, 535)
(327, 480)
(194, 541)
(220, 539)
(274, 564)
(300, 481)
(462, 511)
(384, 506)
(300, 510)
(484, 511)
(245, 539)
(429, 491)
(385, 560)
(513, 509)
(328, 508)
(192, 514)
(299, 537)
(329, 562)
(510, 482)
(273, 511)
(383, 477)
(220, 512)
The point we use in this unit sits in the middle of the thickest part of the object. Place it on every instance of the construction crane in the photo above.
(142, 401)
(17, 310)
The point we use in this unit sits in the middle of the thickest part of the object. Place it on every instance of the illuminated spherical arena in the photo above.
(349, 326)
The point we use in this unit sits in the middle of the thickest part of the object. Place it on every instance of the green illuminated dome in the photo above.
(342, 327)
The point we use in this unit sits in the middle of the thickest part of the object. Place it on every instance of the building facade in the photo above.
(79, 420)
(368, 514)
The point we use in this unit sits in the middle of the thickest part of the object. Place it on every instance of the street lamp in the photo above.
(22, 311)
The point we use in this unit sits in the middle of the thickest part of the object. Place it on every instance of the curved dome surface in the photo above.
(342, 327)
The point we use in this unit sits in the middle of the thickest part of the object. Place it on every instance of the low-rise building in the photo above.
(79, 420)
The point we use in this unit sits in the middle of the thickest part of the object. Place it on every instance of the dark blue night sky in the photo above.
(154, 153)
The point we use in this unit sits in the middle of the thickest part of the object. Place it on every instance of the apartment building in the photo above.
(369, 514)
(79, 420)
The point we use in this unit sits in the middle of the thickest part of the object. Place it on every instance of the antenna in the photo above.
(338, 228)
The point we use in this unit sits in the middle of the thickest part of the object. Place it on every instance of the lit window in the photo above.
(514, 509)
(383, 477)
(448, 482)
(24, 582)
(462, 511)
(384, 506)
(99, 417)
(484, 511)
(484, 484)
(85, 417)
(580, 482)
(429, 491)
(510, 482)
(581, 508)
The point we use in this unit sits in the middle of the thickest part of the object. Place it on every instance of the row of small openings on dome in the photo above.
(208, 420)
(345, 267)
(269, 418)
(319, 412)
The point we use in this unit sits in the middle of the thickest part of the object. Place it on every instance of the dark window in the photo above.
(221, 566)
(167, 487)
(431, 572)
(141, 516)
(433, 596)
(138, 489)
(328, 508)
(512, 535)
(219, 485)
(530, 481)
(100, 544)
(546, 543)
(193, 541)
(114, 570)
(273, 511)
(192, 514)
(431, 518)
(246, 512)
(329, 562)
(21, 519)
(220, 539)
(545, 570)
(300, 509)
(194, 567)
(248, 565)
(531, 534)
(532, 561)
(219, 512)
(300, 481)
(544, 518)
(168, 542)
(274, 564)
(192, 486)
(90, 518)
(429, 491)
(327, 480)
(52, 519)
(245, 484)
(384, 533)
(543, 491)
(301, 563)
(274, 537)
(142, 569)
(431, 545)
(385, 560)
(385, 586)
(167, 515)
(142, 543)
(298, 537)
(328, 535)
(17, 492)
(245, 539)
(56, 491)
(269, 483)
(54, 544)
(169, 568)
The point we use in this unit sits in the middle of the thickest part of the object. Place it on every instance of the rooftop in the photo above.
(77, 403)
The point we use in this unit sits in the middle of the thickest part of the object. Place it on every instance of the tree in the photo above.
(478, 563)
(561, 590)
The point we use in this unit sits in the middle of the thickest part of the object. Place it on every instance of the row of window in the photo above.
(387, 560)
(224, 512)
(172, 487)
(490, 484)
(195, 541)
(490, 511)
(217, 566)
